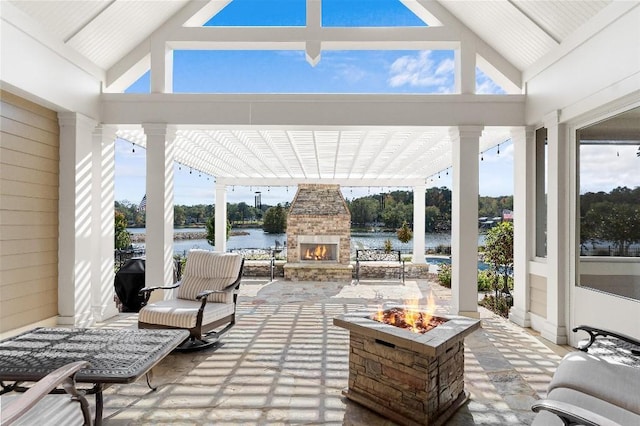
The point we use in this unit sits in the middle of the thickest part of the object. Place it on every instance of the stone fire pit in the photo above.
(410, 378)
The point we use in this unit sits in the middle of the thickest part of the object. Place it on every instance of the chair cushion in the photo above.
(207, 270)
(588, 402)
(52, 410)
(182, 313)
(608, 381)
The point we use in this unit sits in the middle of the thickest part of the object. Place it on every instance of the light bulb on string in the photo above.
(482, 156)
(133, 147)
(498, 149)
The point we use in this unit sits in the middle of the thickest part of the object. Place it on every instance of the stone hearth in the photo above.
(318, 218)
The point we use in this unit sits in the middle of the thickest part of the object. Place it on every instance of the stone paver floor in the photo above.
(285, 363)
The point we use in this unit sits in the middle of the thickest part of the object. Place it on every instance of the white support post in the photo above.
(464, 221)
(418, 224)
(313, 45)
(161, 67)
(524, 184)
(465, 66)
(558, 235)
(102, 291)
(221, 219)
(159, 208)
(76, 217)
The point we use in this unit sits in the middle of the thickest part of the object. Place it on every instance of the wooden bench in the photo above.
(380, 256)
(588, 389)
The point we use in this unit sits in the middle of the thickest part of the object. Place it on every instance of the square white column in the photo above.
(524, 184)
(221, 219)
(159, 207)
(102, 290)
(418, 223)
(558, 235)
(464, 220)
(76, 216)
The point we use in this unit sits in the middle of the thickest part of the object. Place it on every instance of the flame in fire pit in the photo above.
(412, 317)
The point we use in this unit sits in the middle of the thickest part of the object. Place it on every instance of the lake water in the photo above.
(257, 238)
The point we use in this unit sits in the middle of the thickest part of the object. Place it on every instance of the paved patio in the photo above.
(285, 363)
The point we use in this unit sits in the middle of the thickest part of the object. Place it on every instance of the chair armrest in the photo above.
(65, 376)
(595, 332)
(228, 289)
(150, 289)
(572, 414)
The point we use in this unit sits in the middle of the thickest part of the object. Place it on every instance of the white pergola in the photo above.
(96, 49)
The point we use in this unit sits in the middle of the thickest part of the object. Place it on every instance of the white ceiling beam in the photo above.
(267, 140)
(206, 12)
(294, 149)
(313, 48)
(313, 110)
(342, 182)
(408, 144)
(421, 12)
(182, 37)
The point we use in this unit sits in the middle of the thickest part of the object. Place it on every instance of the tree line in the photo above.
(388, 210)
(612, 217)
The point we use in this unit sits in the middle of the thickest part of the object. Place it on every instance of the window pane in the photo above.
(609, 205)
(541, 192)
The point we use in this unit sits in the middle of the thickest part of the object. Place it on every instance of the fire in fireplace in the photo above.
(413, 378)
(322, 252)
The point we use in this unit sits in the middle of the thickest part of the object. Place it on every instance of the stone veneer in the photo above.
(318, 210)
(412, 379)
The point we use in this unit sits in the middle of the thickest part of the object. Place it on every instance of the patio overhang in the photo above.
(354, 140)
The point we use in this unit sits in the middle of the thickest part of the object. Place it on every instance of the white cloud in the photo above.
(603, 168)
(421, 70)
(485, 85)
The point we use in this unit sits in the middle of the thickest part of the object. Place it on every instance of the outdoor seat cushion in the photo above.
(206, 270)
(181, 313)
(51, 410)
(615, 383)
(588, 402)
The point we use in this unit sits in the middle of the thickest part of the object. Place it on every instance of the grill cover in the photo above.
(128, 281)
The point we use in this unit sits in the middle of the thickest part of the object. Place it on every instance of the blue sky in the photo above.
(289, 72)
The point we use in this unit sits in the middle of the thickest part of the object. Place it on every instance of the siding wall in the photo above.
(538, 291)
(29, 154)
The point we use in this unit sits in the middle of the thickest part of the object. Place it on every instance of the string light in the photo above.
(133, 147)
(482, 156)
(498, 149)
(190, 171)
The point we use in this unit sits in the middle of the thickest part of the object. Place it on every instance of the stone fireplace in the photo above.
(318, 235)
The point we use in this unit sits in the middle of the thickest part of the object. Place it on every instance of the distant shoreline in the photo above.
(196, 235)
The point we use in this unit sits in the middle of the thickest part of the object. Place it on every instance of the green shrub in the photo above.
(498, 304)
(444, 275)
(486, 281)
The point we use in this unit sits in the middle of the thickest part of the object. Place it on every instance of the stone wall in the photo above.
(405, 386)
